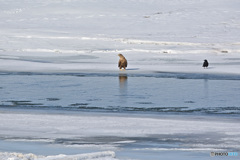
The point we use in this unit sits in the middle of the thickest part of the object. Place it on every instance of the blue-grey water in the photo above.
(122, 92)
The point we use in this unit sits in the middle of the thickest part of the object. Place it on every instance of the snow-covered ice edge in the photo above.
(106, 155)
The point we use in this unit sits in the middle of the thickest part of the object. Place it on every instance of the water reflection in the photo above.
(123, 87)
(123, 81)
(206, 88)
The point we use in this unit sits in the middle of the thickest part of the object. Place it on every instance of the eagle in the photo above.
(205, 64)
(122, 63)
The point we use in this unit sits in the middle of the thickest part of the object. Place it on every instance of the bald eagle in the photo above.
(205, 64)
(122, 63)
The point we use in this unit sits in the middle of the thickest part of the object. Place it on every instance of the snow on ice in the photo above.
(108, 155)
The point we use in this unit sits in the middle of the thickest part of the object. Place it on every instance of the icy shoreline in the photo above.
(90, 156)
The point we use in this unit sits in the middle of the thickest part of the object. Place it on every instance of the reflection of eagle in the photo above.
(122, 63)
(205, 63)
(122, 78)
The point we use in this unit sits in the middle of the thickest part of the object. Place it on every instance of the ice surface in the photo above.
(196, 133)
(90, 156)
(176, 36)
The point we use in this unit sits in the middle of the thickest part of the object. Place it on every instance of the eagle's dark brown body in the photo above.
(122, 63)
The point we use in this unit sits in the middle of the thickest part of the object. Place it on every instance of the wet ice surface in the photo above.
(135, 136)
(121, 92)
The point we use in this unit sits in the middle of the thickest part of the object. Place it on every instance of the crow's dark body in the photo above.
(205, 63)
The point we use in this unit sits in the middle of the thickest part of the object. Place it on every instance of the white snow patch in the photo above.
(107, 155)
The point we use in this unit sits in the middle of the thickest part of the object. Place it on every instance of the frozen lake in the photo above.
(61, 91)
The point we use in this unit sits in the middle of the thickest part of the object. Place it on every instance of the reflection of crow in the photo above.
(205, 63)
(122, 63)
